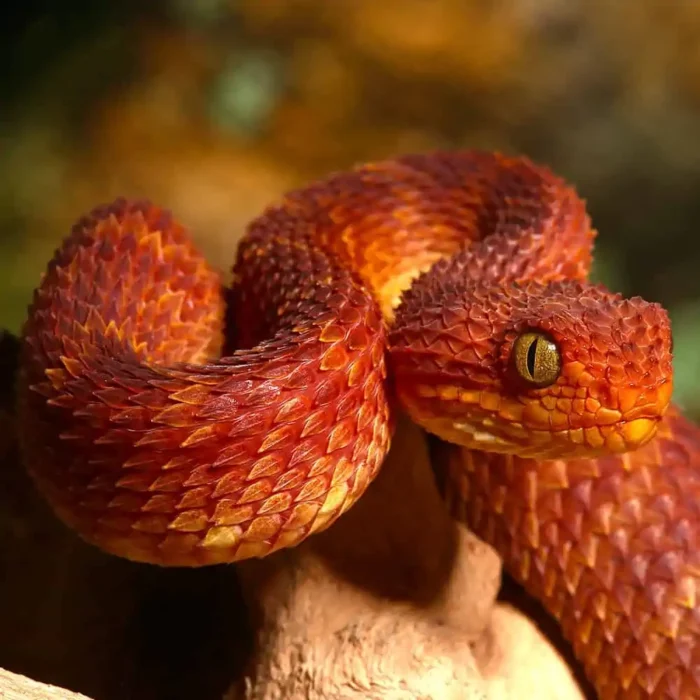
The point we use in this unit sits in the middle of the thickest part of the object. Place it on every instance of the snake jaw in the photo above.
(565, 421)
(567, 444)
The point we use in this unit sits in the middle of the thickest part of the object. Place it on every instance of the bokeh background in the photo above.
(214, 107)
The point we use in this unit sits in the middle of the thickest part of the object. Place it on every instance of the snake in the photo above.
(169, 417)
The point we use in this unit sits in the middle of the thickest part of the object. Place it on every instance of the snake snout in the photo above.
(638, 423)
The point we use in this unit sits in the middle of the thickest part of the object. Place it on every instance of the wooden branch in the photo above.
(14, 687)
(394, 601)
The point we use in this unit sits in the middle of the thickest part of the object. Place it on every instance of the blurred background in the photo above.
(213, 108)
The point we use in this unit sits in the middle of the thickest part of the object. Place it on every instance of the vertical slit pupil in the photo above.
(531, 355)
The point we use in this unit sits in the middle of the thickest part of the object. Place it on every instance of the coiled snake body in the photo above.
(451, 285)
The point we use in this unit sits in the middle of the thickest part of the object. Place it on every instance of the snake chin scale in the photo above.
(477, 436)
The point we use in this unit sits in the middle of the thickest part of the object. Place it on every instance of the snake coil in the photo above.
(463, 276)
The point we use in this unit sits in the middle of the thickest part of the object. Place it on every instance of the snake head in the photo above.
(557, 370)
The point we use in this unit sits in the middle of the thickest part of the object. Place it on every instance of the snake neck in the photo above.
(608, 545)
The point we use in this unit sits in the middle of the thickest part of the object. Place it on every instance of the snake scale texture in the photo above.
(452, 286)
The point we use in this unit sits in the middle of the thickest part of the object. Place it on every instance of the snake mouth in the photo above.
(487, 422)
(555, 444)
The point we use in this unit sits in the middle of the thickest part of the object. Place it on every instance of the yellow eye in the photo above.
(537, 359)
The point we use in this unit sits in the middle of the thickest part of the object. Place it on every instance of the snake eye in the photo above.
(536, 358)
